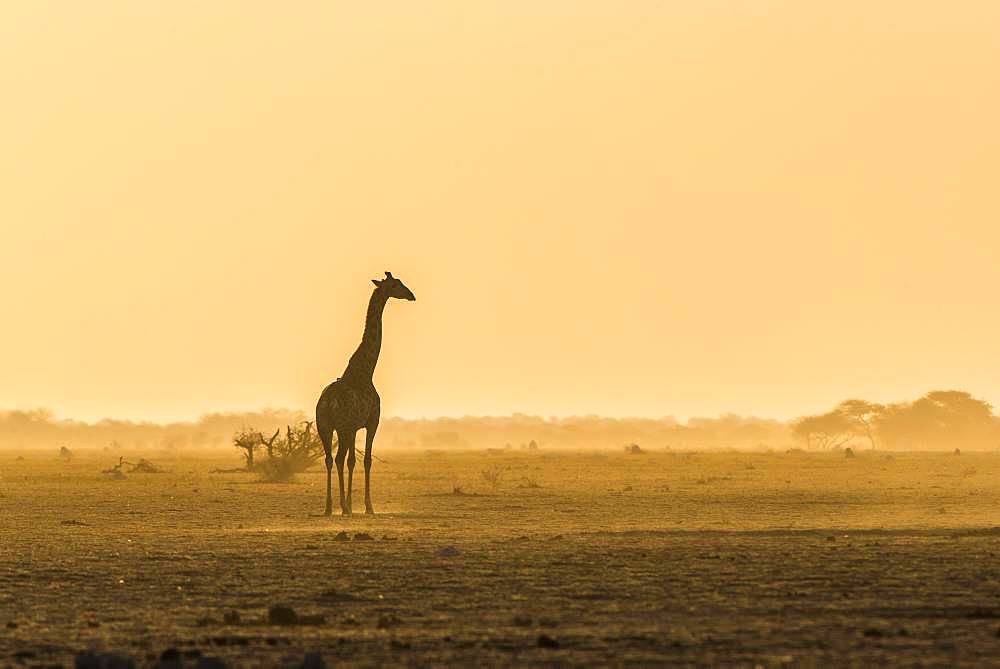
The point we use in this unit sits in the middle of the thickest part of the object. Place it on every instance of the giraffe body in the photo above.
(351, 402)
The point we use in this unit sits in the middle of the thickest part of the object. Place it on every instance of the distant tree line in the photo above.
(940, 419)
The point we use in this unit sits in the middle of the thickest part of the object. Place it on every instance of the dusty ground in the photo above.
(688, 559)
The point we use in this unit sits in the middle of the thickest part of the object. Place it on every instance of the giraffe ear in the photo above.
(388, 275)
(376, 282)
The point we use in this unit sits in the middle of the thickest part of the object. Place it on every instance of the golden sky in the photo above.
(624, 208)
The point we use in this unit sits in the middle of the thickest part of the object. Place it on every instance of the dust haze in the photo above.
(499, 333)
(865, 534)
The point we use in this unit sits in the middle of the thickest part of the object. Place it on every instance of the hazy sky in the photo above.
(625, 208)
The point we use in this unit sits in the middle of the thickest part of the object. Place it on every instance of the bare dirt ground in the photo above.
(613, 559)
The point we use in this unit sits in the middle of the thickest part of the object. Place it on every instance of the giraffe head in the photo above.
(393, 287)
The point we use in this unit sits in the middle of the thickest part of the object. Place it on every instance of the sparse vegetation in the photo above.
(116, 472)
(144, 466)
(493, 475)
(294, 453)
(248, 441)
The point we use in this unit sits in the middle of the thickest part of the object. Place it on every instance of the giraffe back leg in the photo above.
(351, 459)
(369, 442)
(325, 431)
(345, 443)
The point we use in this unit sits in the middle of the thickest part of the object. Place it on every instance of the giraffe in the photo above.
(351, 402)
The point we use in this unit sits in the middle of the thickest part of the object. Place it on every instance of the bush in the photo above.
(296, 452)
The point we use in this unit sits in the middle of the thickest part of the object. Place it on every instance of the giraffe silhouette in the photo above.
(351, 402)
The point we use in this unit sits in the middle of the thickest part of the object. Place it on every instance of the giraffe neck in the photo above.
(362, 364)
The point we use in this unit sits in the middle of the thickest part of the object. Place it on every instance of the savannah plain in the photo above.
(507, 557)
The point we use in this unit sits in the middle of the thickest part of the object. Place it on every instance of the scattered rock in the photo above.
(12, 625)
(545, 641)
(874, 632)
(349, 621)
(337, 596)
(206, 621)
(313, 661)
(102, 661)
(282, 615)
(448, 551)
(396, 644)
(363, 536)
(171, 659)
(231, 617)
(523, 621)
(342, 536)
(983, 612)
(318, 619)
(93, 624)
(73, 522)
(210, 663)
(388, 620)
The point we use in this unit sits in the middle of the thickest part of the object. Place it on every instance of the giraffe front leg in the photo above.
(329, 484)
(369, 441)
(351, 459)
(344, 440)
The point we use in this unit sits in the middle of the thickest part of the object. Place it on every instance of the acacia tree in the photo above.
(862, 415)
(247, 440)
(828, 430)
(940, 419)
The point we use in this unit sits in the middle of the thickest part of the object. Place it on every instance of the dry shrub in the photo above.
(116, 471)
(493, 475)
(248, 440)
(293, 454)
(144, 466)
